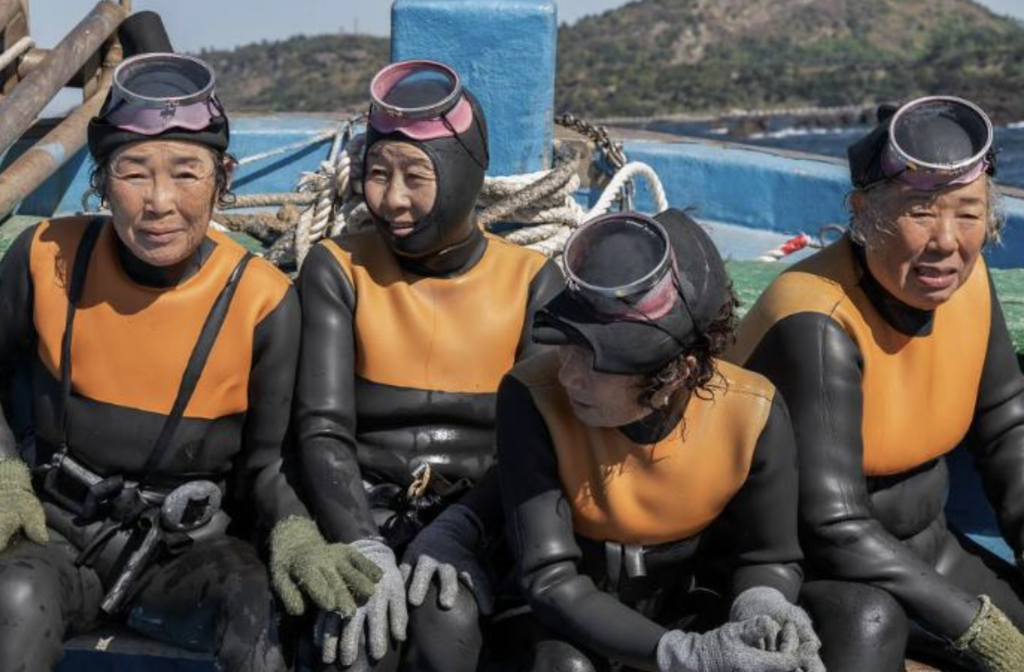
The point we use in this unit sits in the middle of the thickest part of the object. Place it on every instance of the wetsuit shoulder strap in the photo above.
(79, 268)
(194, 369)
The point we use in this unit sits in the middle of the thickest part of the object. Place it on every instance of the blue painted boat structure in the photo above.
(751, 198)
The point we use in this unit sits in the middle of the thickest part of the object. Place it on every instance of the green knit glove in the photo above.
(335, 576)
(993, 639)
(20, 509)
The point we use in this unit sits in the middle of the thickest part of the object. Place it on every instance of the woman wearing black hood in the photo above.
(408, 327)
(649, 487)
(162, 359)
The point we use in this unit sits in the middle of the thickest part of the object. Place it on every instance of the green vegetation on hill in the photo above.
(653, 57)
(658, 56)
(325, 73)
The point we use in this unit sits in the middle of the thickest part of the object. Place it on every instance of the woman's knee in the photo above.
(444, 639)
(558, 656)
(861, 627)
(27, 591)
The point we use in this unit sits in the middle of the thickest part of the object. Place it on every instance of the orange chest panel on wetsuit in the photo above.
(457, 334)
(919, 391)
(131, 343)
(652, 494)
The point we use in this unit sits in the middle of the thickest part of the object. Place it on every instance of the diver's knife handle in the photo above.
(137, 563)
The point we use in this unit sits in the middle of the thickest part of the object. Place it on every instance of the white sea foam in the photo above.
(796, 132)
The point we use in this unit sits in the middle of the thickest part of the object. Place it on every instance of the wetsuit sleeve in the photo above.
(268, 466)
(17, 331)
(541, 534)
(545, 285)
(817, 367)
(325, 401)
(761, 520)
(485, 498)
(996, 439)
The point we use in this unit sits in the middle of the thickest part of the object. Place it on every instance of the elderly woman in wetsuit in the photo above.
(408, 327)
(162, 362)
(649, 487)
(891, 349)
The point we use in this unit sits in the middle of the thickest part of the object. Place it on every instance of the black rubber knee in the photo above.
(444, 640)
(31, 618)
(862, 628)
(216, 598)
(557, 656)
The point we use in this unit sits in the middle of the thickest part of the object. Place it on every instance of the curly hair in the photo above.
(223, 195)
(707, 346)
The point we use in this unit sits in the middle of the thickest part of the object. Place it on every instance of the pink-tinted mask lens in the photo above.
(923, 179)
(454, 122)
(146, 120)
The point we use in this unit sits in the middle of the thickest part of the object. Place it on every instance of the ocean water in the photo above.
(833, 142)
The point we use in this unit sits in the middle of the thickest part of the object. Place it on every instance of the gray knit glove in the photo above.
(767, 601)
(335, 576)
(384, 613)
(732, 647)
(447, 548)
(20, 509)
(993, 640)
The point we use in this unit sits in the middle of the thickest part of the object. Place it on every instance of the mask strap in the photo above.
(448, 125)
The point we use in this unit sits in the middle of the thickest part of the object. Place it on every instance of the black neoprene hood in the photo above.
(631, 347)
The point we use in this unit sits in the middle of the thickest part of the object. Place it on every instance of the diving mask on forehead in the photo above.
(934, 142)
(420, 99)
(152, 93)
(623, 267)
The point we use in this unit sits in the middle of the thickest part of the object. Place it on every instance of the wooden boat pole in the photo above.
(21, 107)
(45, 158)
(8, 10)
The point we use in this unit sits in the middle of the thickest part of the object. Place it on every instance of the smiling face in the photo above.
(161, 195)
(400, 185)
(935, 243)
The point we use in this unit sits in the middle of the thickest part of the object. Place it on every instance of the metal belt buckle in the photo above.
(190, 506)
(89, 492)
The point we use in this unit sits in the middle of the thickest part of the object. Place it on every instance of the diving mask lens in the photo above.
(622, 266)
(421, 99)
(154, 92)
(938, 141)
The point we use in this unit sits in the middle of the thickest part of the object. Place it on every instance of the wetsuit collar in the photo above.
(456, 260)
(162, 277)
(905, 319)
(654, 427)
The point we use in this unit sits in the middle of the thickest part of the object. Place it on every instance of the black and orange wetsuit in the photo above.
(134, 330)
(640, 510)
(401, 363)
(879, 392)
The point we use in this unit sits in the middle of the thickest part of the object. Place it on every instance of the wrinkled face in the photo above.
(400, 185)
(161, 195)
(601, 399)
(937, 239)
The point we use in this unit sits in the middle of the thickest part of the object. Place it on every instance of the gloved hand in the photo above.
(767, 601)
(20, 509)
(993, 640)
(733, 646)
(335, 576)
(385, 612)
(447, 548)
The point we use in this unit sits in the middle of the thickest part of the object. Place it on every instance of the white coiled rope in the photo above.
(541, 206)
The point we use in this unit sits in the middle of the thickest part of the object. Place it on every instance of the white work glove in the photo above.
(732, 647)
(383, 614)
(767, 601)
